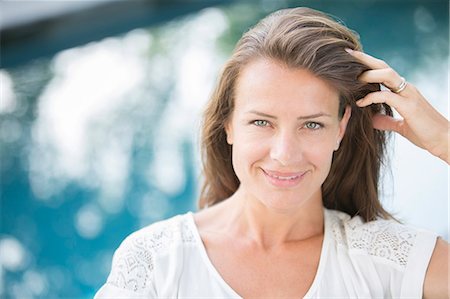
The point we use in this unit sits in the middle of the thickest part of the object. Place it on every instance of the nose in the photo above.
(286, 148)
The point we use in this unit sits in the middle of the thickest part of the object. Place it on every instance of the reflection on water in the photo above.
(103, 139)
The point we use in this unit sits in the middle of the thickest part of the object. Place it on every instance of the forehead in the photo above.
(270, 84)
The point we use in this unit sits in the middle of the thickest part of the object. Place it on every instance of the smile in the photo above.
(280, 179)
(284, 177)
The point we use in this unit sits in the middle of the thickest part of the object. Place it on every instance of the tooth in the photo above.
(285, 178)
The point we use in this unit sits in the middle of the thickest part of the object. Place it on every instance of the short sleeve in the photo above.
(400, 252)
(385, 259)
(419, 258)
(131, 273)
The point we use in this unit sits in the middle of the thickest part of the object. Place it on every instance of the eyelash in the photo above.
(264, 123)
(255, 122)
(317, 125)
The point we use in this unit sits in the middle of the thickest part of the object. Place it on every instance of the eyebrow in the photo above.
(315, 115)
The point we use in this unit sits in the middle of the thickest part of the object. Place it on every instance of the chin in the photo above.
(284, 204)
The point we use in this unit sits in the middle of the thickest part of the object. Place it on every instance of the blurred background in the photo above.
(100, 111)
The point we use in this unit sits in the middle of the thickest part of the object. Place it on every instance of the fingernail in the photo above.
(348, 50)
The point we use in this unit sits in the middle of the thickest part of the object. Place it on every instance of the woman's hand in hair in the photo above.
(421, 123)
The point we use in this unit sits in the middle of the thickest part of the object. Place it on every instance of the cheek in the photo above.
(247, 153)
(319, 155)
(319, 151)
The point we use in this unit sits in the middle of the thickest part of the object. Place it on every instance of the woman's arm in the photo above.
(425, 127)
(437, 282)
(421, 124)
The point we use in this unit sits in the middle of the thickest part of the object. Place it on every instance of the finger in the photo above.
(370, 61)
(386, 123)
(388, 77)
(384, 96)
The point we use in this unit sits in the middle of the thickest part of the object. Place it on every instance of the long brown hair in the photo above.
(307, 39)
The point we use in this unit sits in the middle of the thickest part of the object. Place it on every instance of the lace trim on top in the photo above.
(133, 261)
(381, 238)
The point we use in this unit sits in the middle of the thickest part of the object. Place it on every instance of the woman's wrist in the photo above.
(444, 150)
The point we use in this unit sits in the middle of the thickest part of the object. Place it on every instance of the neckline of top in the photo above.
(213, 270)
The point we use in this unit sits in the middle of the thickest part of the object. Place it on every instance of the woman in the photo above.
(291, 163)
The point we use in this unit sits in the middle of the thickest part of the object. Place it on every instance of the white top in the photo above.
(378, 259)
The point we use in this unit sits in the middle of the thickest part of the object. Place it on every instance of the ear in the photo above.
(343, 125)
(229, 132)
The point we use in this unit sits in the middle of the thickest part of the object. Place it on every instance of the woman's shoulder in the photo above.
(160, 235)
(134, 260)
(383, 239)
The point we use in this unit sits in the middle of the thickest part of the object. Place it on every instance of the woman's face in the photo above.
(283, 131)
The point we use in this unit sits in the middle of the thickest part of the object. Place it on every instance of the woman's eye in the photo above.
(261, 123)
(313, 126)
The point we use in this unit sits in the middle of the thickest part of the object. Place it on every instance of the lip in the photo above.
(284, 179)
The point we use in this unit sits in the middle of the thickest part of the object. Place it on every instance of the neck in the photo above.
(269, 228)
